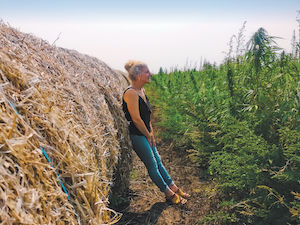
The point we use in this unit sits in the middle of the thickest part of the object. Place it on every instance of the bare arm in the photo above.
(151, 127)
(152, 132)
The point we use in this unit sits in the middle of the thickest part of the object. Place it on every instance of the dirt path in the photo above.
(147, 203)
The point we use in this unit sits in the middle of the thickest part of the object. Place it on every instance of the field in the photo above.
(239, 122)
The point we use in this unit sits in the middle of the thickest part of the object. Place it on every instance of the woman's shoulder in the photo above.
(129, 90)
(130, 93)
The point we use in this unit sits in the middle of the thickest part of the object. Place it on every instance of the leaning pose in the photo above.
(137, 111)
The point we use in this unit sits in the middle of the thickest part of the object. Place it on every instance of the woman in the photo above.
(137, 111)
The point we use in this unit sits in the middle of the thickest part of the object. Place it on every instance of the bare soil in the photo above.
(147, 203)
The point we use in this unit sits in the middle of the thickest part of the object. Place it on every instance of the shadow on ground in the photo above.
(148, 217)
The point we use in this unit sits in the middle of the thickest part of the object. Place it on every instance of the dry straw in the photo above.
(68, 104)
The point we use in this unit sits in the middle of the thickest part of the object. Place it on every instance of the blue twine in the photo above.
(14, 108)
(45, 154)
(62, 185)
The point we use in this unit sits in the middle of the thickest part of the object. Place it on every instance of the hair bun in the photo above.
(134, 68)
(129, 64)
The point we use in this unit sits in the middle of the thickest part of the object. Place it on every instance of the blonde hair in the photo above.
(134, 68)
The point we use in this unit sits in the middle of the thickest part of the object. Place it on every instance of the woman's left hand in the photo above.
(153, 140)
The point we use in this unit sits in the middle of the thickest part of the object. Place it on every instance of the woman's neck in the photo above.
(136, 86)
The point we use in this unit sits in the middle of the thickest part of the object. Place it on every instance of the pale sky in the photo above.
(162, 33)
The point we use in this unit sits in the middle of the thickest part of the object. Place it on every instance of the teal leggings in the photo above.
(152, 161)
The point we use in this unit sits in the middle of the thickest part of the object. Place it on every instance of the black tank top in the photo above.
(145, 112)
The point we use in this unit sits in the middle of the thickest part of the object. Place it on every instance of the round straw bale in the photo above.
(66, 105)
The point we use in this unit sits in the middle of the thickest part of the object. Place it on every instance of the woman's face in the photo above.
(145, 75)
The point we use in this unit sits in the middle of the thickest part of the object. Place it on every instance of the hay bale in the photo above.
(123, 78)
(67, 104)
